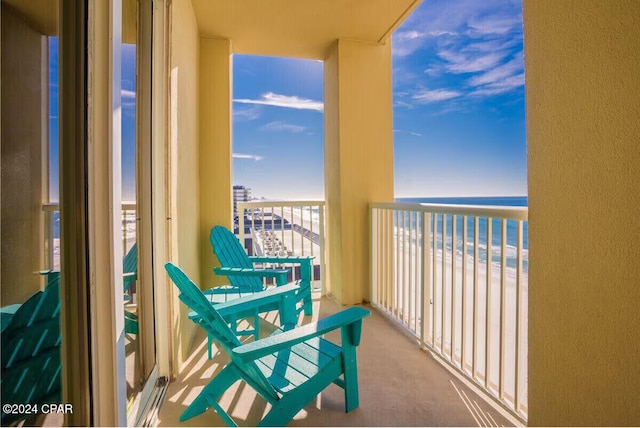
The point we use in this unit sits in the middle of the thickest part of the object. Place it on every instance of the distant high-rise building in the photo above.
(240, 194)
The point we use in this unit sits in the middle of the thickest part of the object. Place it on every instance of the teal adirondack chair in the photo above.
(130, 275)
(130, 267)
(245, 278)
(31, 350)
(288, 369)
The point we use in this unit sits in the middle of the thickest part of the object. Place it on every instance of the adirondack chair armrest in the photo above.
(305, 263)
(279, 274)
(282, 259)
(248, 304)
(269, 345)
(256, 300)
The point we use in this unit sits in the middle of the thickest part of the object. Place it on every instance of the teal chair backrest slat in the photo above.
(30, 351)
(231, 253)
(213, 323)
(130, 266)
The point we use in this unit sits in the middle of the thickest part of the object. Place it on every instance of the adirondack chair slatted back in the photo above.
(31, 350)
(130, 266)
(213, 323)
(230, 253)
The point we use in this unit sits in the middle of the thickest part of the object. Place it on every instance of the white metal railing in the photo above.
(52, 230)
(456, 277)
(280, 228)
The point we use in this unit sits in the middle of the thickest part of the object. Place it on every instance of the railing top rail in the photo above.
(509, 213)
(250, 204)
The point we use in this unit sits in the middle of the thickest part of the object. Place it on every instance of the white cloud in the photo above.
(503, 71)
(500, 25)
(429, 96)
(479, 38)
(434, 70)
(463, 62)
(402, 104)
(246, 114)
(244, 156)
(277, 100)
(127, 94)
(406, 42)
(416, 134)
(282, 126)
(501, 86)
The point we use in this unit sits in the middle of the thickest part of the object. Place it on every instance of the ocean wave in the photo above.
(414, 239)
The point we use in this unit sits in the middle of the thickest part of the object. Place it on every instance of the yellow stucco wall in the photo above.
(358, 158)
(184, 140)
(24, 142)
(215, 149)
(583, 122)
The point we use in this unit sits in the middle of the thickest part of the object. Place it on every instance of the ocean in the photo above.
(503, 201)
(496, 235)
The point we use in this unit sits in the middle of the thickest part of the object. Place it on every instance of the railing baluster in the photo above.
(405, 280)
(123, 220)
(435, 277)
(302, 227)
(519, 261)
(416, 277)
(253, 228)
(465, 236)
(503, 302)
(381, 255)
(411, 276)
(323, 271)
(396, 295)
(454, 256)
(476, 255)
(400, 266)
(48, 237)
(390, 235)
(426, 312)
(292, 221)
(241, 210)
(282, 229)
(374, 259)
(487, 331)
(444, 281)
(311, 237)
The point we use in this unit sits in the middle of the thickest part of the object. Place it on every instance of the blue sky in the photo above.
(459, 124)
(459, 114)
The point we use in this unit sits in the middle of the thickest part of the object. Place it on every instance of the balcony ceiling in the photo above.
(42, 16)
(299, 28)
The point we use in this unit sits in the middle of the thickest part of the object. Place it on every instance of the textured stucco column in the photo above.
(358, 158)
(215, 148)
(583, 110)
(24, 156)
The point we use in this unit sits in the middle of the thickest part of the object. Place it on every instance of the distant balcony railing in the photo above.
(285, 228)
(52, 232)
(456, 278)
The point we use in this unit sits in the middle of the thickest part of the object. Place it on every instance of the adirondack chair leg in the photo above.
(256, 326)
(208, 397)
(307, 306)
(351, 399)
(209, 344)
(305, 285)
(289, 405)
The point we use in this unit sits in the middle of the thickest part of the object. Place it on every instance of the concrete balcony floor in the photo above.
(400, 385)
